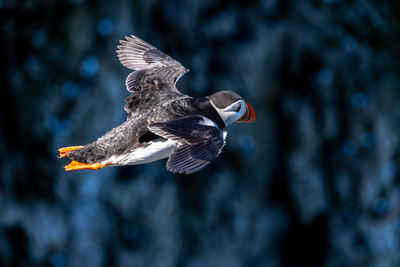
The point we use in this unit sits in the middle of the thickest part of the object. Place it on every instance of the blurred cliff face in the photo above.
(315, 181)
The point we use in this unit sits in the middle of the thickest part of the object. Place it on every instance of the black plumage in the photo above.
(198, 144)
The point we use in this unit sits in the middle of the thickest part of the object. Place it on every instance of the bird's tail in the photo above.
(75, 165)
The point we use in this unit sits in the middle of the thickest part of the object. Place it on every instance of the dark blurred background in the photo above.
(314, 182)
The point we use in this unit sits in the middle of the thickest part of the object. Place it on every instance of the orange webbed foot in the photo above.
(74, 165)
(64, 150)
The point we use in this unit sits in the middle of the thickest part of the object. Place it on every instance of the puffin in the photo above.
(162, 122)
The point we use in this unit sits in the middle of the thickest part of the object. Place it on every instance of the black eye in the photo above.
(238, 108)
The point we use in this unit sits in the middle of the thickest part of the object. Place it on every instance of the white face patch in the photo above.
(233, 112)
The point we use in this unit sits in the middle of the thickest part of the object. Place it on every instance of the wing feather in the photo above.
(136, 54)
(199, 144)
(181, 161)
(153, 70)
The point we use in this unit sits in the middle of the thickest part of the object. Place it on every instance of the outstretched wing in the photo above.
(154, 78)
(200, 142)
(153, 70)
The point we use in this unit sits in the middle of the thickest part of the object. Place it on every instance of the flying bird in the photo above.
(162, 122)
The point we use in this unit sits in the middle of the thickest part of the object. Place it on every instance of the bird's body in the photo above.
(161, 122)
(133, 143)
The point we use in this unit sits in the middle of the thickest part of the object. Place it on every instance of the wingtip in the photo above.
(182, 171)
(123, 42)
(131, 38)
(176, 171)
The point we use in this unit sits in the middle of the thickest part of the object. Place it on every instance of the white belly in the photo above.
(158, 149)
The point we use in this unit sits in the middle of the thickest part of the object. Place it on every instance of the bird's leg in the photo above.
(64, 150)
(74, 165)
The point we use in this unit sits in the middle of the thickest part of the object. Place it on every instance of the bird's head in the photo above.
(232, 108)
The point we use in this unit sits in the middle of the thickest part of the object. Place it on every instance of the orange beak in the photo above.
(249, 115)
